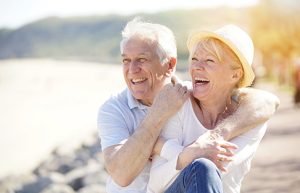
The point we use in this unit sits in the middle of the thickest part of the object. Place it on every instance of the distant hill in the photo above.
(97, 38)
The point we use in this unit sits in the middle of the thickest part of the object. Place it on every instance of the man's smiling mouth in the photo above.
(138, 80)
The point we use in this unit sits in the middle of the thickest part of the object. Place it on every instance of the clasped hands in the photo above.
(210, 145)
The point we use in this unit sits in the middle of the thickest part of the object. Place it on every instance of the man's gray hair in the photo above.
(154, 33)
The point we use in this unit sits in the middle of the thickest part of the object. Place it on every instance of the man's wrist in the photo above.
(157, 117)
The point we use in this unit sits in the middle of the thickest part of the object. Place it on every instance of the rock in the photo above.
(92, 145)
(82, 156)
(62, 164)
(57, 178)
(75, 178)
(95, 188)
(65, 171)
(37, 186)
(98, 177)
(41, 183)
(11, 183)
(58, 188)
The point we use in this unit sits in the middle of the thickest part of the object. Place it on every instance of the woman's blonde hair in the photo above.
(220, 50)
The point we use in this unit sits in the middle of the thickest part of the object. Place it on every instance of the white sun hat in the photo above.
(236, 39)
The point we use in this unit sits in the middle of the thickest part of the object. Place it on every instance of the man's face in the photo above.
(143, 72)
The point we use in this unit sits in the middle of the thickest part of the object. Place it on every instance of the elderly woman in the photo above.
(220, 63)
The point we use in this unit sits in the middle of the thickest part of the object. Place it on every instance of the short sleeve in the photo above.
(112, 126)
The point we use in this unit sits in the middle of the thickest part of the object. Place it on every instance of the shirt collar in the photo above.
(133, 103)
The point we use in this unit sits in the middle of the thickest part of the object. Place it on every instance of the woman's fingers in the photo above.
(226, 152)
(221, 161)
(223, 158)
(228, 145)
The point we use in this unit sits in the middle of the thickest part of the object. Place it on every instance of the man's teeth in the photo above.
(137, 80)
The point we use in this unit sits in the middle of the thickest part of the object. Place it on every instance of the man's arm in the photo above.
(124, 162)
(255, 107)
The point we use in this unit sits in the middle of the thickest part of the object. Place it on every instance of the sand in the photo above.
(48, 103)
(276, 165)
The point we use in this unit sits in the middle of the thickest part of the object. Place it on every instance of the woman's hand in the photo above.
(211, 146)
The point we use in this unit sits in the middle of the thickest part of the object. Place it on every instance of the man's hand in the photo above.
(169, 100)
(211, 146)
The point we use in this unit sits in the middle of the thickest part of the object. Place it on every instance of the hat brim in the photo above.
(248, 71)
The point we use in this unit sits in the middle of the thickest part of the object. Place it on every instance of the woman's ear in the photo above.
(237, 75)
(171, 64)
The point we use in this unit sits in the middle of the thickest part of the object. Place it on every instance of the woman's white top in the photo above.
(183, 129)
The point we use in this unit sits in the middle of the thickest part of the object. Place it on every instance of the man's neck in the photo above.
(146, 102)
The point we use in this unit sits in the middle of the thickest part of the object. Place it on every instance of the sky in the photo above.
(15, 13)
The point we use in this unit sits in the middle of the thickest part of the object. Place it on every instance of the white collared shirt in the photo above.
(117, 120)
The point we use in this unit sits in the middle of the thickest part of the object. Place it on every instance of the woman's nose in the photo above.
(198, 66)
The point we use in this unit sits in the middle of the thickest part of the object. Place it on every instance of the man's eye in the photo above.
(142, 59)
(125, 61)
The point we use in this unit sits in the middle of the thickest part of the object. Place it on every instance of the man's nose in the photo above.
(134, 67)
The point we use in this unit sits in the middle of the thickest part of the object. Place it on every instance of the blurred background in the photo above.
(60, 60)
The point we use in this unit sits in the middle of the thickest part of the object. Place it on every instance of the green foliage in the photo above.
(90, 38)
(273, 24)
(97, 37)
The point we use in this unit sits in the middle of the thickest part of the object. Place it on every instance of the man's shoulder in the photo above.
(117, 100)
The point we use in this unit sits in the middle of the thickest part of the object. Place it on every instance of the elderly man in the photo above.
(130, 123)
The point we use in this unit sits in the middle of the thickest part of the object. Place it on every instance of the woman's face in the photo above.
(210, 76)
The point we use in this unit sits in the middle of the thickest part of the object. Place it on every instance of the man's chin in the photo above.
(142, 98)
(139, 95)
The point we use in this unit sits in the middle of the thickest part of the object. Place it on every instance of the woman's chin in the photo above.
(200, 95)
(201, 92)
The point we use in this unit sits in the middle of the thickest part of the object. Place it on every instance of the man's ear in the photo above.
(171, 66)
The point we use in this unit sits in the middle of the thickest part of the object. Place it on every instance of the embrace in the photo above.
(161, 134)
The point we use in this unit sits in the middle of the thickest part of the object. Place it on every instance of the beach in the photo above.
(276, 165)
(49, 105)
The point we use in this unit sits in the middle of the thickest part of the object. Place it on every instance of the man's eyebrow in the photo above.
(140, 54)
(145, 54)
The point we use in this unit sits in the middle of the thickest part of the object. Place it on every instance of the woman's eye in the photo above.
(194, 59)
(210, 60)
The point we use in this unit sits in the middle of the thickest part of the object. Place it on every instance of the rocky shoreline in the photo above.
(79, 171)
